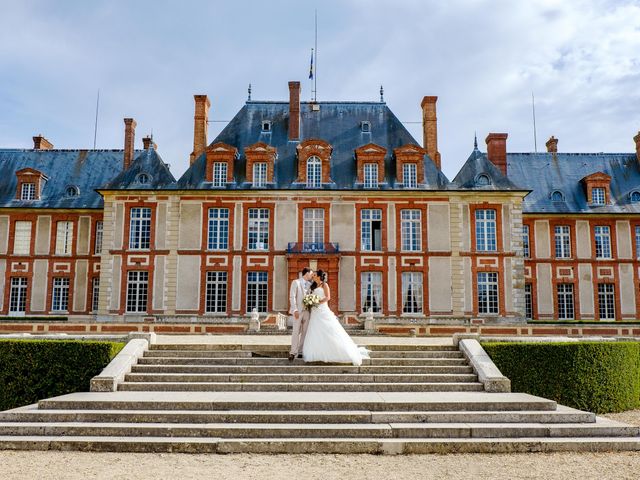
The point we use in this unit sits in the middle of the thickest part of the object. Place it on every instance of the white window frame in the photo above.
(218, 229)
(371, 291)
(368, 235)
(486, 232)
(602, 234)
(140, 228)
(137, 291)
(526, 242)
(412, 293)
(258, 229)
(28, 191)
(370, 172)
(97, 246)
(257, 291)
(488, 293)
(411, 230)
(562, 238)
(95, 293)
(313, 225)
(216, 292)
(606, 301)
(259, 175)
(22, 238)
(566, 301)
(219, 177)
(598, 196)
(528, 301)
(18, 295)
(314, 172)
(410, 175)
(60, 294)
(64, 238)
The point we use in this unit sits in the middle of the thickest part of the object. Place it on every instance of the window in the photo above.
(266, 126)
(257, 288)
(140, 229)
(606, 301)
(28, 191)
(258, 229)
(72, 191)
(565, 301)
(412, 292)
(259, 175)
(98, 244)
(95, 293)
(314, 172)
(64, 238)
(603, 242)
(60, 294)
(483, 181)
(637, 242)
(22, 238)
(486, 231)
(370, 175)
(371, 291)
(218, 233)
(219, 174)
(488, 293)
(143, 178)
(563, 241)
(371, 230)
(365, 127)
(557, 196)
(410, 230)
(313, 225)
(137, 291)
(18, 296)
(216, 295)
(525, 241)
(528, 301)
(635, 197)
(598, 196)
(410, 175)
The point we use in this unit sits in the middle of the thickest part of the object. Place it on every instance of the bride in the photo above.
(326, 340)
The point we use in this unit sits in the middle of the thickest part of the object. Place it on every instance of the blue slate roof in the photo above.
(478, 164)
(338, 123)
(150, 163)
(544, 173)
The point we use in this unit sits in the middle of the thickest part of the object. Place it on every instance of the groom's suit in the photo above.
(297, 292)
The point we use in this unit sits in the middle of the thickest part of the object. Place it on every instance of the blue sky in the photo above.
(481, 58)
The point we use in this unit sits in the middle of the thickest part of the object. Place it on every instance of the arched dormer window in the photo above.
(314, 172)
(483, 180)
(314, 163)
(557, 196)
(634, 197)
(71, 191)
(143, 178)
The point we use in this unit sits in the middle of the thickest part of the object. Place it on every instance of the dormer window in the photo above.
(365, 127)
(597, 186)
(219, 174)
(260, 163)
(260, 175)
(598, 195)
(314, 163)
(370, 165)
(635, 197)
(410, 160)
(220, 162)
(266, 125)
(28, 191)
(314, 172)
(370, 175)
(410, 175)
(483, 180)
(143, 178)
(71, 191)
(29, 184)
(557, 196)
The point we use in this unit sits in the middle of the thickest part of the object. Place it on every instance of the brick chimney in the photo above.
(148, 143)
(497, 150)
(294, 111)
(200, 124)
(41, 143)
(637, 140)
(129, 141)
(430, 128)
(552, 145)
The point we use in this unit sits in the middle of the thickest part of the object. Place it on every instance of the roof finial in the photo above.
(381, 94)
(249, 92)
(475, 141)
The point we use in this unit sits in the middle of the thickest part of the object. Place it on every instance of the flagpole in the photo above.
(315, 73)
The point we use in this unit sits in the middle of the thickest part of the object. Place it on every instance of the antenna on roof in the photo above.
(381, 94)
(314, 53)
(535, 133)
(95, 128)
(249, 92)
(475, 141)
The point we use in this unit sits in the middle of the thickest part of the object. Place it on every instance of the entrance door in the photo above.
(329, 264)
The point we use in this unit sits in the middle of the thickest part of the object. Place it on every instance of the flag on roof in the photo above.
(311, 66)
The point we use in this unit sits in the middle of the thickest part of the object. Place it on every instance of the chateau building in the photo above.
(340, 186)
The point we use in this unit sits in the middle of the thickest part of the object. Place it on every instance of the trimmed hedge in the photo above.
(599, 377)
(31, 370)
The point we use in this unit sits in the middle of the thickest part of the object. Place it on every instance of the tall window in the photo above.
(488, 293)
(637, 242)
(313, 225)
(28, 191)
(525, 241)
(258, 228)
(371, 291)
(257, 290)
(410, 175)
(410, 230)
(18, 296)
(606, 301)
(259, 175)
(64, 238)
(486, 231)
(603, 242)
(219, 174)
(137, 291)
(563, 241)
(598, 196)
(218, 233)
(370, 175)
(412, 292)
(528, 301)
(314, 172)
(98, 245)
(216, 295)
(95, 293)
(371, 230)
(22, 238)
(60, 294)
(140, 228)
(565, 301)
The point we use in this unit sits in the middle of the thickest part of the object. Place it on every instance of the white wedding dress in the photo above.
(326, 340)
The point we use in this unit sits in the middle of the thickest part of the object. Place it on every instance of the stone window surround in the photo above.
(314, 147)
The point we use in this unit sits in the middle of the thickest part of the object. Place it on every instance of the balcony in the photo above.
(312, 247)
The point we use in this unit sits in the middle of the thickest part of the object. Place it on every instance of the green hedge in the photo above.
(31, 370)
(600, 377)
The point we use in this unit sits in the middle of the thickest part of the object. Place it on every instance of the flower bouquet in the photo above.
(310, 301)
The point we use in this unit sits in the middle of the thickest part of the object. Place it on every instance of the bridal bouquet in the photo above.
(310, 301)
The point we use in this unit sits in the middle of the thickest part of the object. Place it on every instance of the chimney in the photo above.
(552, 145)
(129, 141)
(430, 129)
(149, 143)
(294, 111)
(200, 124)
(637, 140)
(41, 143)
(497, 150)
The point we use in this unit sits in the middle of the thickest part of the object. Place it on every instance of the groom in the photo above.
(299, 288)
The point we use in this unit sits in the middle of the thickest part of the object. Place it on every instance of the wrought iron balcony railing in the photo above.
(312, 247)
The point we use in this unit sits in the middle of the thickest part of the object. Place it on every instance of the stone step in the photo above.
(140, 386)
(601, 428)
(285, 347)
(387, 354)
(31, 413)
(299, 369)
(305, 378)
(301, 401)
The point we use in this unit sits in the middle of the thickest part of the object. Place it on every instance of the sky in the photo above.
(482, 58)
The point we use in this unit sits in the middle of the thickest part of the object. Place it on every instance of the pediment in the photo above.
(30, 171)
(409, 148)
(221, 147)
(371, 148)
(597, 177)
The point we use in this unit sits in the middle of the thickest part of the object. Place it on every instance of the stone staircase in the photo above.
(224, 398)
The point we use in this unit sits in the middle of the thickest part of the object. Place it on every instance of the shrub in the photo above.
(31, 370)
(599, 377)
